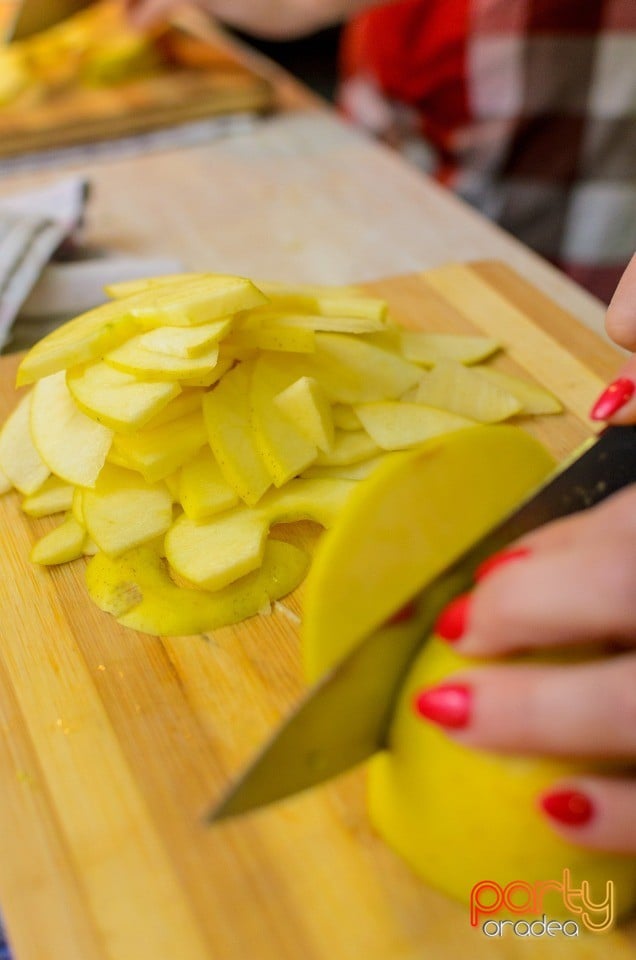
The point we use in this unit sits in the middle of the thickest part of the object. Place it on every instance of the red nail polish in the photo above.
(613, 398)
(570, 807)
(499, 559)
(452, 621)
(448, 705)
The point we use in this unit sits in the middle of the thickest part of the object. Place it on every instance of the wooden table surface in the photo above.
(298, 197)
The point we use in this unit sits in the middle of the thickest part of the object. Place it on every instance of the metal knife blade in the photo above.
(346, 717)
(33, 16)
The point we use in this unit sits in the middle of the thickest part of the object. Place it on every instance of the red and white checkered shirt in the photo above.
(526, 108)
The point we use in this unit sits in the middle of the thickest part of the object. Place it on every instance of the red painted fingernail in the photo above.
(499, 559)
(613, 398)
(452, 621)
(448, 705)
(570, 807)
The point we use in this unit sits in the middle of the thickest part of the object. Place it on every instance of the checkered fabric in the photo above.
(526, 108)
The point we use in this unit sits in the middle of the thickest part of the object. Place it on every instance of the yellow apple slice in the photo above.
(194, 301)
(397, 426)
(20, 461)
(227, 420)
(137, 589)
(348, 471)
(73, 446)
(86, 338)
(130, 288)
(158, 452)
(123, 511)
(284, 449)
(214, 375)
(345, 417)
(217, 552)
(462, 390)
(307, 408)
(186, 342)
(188, 401)
(314, 321)
(533, 398)
(279, 338)
(118, 400)
(353, 371)
(325, 301)
(61, 545)
(203, 490)
(77, 508)
(429, 348)
(133, 357)
(349, 446)
(54, 496)
(407, 522)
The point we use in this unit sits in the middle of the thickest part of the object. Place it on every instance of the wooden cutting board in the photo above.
(176, 95)
(114, 744)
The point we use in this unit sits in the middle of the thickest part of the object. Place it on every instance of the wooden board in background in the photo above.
(114, 743)
(177, 95)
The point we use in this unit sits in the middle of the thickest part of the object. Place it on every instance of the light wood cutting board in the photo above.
(113, 743)
(174, 96)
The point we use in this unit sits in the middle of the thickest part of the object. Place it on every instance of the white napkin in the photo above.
(33, 226)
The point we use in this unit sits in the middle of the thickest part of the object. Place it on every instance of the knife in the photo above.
(33, 16)
(346, 717)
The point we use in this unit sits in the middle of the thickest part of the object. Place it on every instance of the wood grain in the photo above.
(114, 743)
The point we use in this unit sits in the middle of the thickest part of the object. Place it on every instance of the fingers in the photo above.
(596, 812)
(576, 584)
(621, 313)
(579, 710)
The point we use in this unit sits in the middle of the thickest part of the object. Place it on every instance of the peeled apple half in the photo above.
(457, 816)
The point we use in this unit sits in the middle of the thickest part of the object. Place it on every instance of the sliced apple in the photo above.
(216, 553)
(61, 545)
(214, 375)
(54, 496)
(123, 511)
(203, 490)
(305, 404)
(280, 338)
(88, 337)
(429, 348)
(284, 449)
(397, 426)
(349, 446)
(158, 452)
(354, 371)
(349, 471)
(533, 398)
(314, 321)
(345, 417)
(72, 445)
(133, 357)
(130, 288)
(405, 524)
(20, 461)
(186, 342)
(118, 400)
(324, 301)
(138, 590)
(189, 400)
(464, 391)
(194, 301)
(227, 419)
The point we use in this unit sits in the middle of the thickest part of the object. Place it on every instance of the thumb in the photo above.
(617, 403)
(620, 321)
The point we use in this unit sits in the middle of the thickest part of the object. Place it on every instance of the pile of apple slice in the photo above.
(175, 425)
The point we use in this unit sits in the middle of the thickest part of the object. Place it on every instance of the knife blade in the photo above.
(345, 718)
(33, 16)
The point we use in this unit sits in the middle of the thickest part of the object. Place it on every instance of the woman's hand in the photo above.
(572, 582)
(276, 19)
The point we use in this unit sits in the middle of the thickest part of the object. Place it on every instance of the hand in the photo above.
(573, 582)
